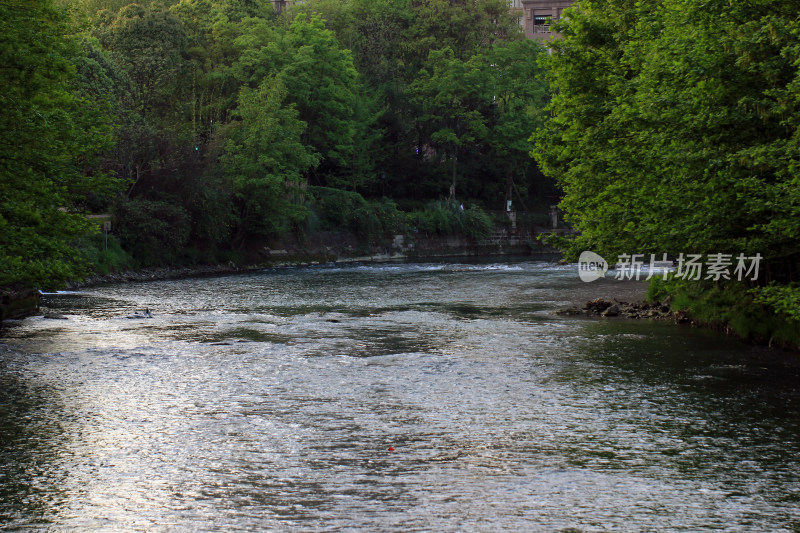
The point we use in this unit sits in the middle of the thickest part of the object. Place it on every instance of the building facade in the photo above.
(537, 16)
(517, 11)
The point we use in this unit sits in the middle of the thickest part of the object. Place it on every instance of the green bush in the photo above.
(438, 218)
(477, 224)
(152, 231)
(336, 209)
(783, 299)
(393, 221)
(448, 218)
(755, 314)
(104, 260)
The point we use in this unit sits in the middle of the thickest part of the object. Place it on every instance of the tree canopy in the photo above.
(204, 125)
(51, 131)
(674, 129)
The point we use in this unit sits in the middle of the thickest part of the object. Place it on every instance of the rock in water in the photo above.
(611, 311)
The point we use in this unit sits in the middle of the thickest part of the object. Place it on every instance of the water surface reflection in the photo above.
(270, 401)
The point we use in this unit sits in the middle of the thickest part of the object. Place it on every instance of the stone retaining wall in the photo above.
(18, 303)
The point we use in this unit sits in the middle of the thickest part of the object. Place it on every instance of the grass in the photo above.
(102, 259)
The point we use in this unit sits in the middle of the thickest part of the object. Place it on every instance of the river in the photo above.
(388, 397)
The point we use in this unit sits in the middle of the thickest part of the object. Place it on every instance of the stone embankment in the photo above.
(160, 273)
(336, 247)
(18, 303)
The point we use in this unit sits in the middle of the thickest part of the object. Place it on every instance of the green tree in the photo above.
(453, 99)
(147, 46)
(519, 95)
(265, 160)
(674, 126)
(466, 27)
(396, 46)
(322, 82)
(212, 27)
(92, 7)
(675, 129)
(374, 31)
(584, 70)
(50, 133)
(483, 108)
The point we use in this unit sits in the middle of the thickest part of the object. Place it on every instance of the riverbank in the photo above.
(334, 248)
(18, 302)
(322, 247)
(731, 311)
(603, 299)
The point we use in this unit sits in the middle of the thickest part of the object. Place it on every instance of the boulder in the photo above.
(682, 317)
(597, 307)
(612, 310)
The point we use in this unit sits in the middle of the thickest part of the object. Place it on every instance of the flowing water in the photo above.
(394, 397)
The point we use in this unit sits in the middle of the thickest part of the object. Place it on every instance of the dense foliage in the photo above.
(207, 127)
(674, 129)
(51, 127)
(202, 125)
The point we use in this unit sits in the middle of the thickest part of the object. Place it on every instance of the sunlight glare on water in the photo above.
(271, 400)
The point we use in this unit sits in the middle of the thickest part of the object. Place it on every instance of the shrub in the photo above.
(755, 314)
(335, 209)
(152, 231)
(448, 218)
(784, 299)
(477, 224)
(104, 260)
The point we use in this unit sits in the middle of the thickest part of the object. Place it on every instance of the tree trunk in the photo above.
(135, 181)
(453, 184)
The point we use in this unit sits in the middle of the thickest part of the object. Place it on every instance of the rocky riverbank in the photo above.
(617, 309)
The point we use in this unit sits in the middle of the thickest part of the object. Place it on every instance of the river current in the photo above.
(388, 397)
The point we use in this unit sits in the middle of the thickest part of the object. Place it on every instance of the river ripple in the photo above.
(404, 397)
